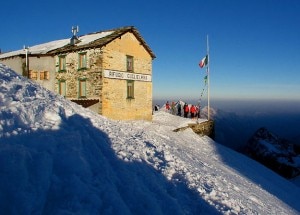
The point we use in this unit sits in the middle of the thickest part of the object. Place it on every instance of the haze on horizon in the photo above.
(244, 106)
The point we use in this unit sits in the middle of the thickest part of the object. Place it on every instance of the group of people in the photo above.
(192, 111)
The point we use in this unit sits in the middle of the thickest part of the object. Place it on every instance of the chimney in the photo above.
(74, 38)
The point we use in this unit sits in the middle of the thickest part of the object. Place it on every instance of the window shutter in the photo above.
(42, 75)
(32, 74)
(82, 88)
(46, 75)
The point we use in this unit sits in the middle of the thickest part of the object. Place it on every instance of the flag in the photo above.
(205, 79)
(203, 62)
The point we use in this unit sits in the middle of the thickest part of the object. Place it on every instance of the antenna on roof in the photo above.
(74, 38)
(75, 30)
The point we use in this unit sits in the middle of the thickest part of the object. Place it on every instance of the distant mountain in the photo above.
(234, 130)
(278, 154)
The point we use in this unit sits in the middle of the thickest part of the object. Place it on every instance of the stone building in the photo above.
(109, 72)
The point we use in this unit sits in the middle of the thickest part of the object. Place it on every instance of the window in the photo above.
(62, 87)
(33, 75)
(44, 75)
(82, 61)
(62, 63)
(129, 63)
(130, 89)
(82, 88)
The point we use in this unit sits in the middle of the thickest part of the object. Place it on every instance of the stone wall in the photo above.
(116, 105)
(204, 128)
(92, 73)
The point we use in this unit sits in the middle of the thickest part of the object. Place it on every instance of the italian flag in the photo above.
(203, 62)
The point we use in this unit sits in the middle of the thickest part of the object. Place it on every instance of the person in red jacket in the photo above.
(193, 111)
(167, 105)
(186, 110)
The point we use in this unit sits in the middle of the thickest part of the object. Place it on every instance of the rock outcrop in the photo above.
(203, 128)
(276, 153)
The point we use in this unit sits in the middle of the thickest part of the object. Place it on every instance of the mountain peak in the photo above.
(274, 152)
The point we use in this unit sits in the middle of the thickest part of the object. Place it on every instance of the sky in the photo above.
(254, 46)
(57, 157)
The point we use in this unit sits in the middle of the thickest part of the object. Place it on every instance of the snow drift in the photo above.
(59, 158)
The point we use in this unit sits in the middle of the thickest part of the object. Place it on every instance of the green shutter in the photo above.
(82, 88)
(130, 89)
(62, 87)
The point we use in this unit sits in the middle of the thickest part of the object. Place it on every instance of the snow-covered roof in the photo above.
(38, 49)
(85, 41)
(53, 45)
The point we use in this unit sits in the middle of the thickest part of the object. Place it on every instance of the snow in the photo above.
(59, 158)
(86, 39)
(39, 49)
(49, 46)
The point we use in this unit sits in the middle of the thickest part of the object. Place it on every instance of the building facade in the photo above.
(109, 72)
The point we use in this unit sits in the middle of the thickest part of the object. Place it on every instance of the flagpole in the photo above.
(207, 70)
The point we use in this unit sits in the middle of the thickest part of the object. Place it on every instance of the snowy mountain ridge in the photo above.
(59, 158)
(276, 153)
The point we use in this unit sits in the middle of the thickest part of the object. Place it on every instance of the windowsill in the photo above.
(83, 68)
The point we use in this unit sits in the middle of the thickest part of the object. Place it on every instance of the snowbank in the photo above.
(59, 158)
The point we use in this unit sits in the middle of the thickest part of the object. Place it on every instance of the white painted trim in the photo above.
(127, 75)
